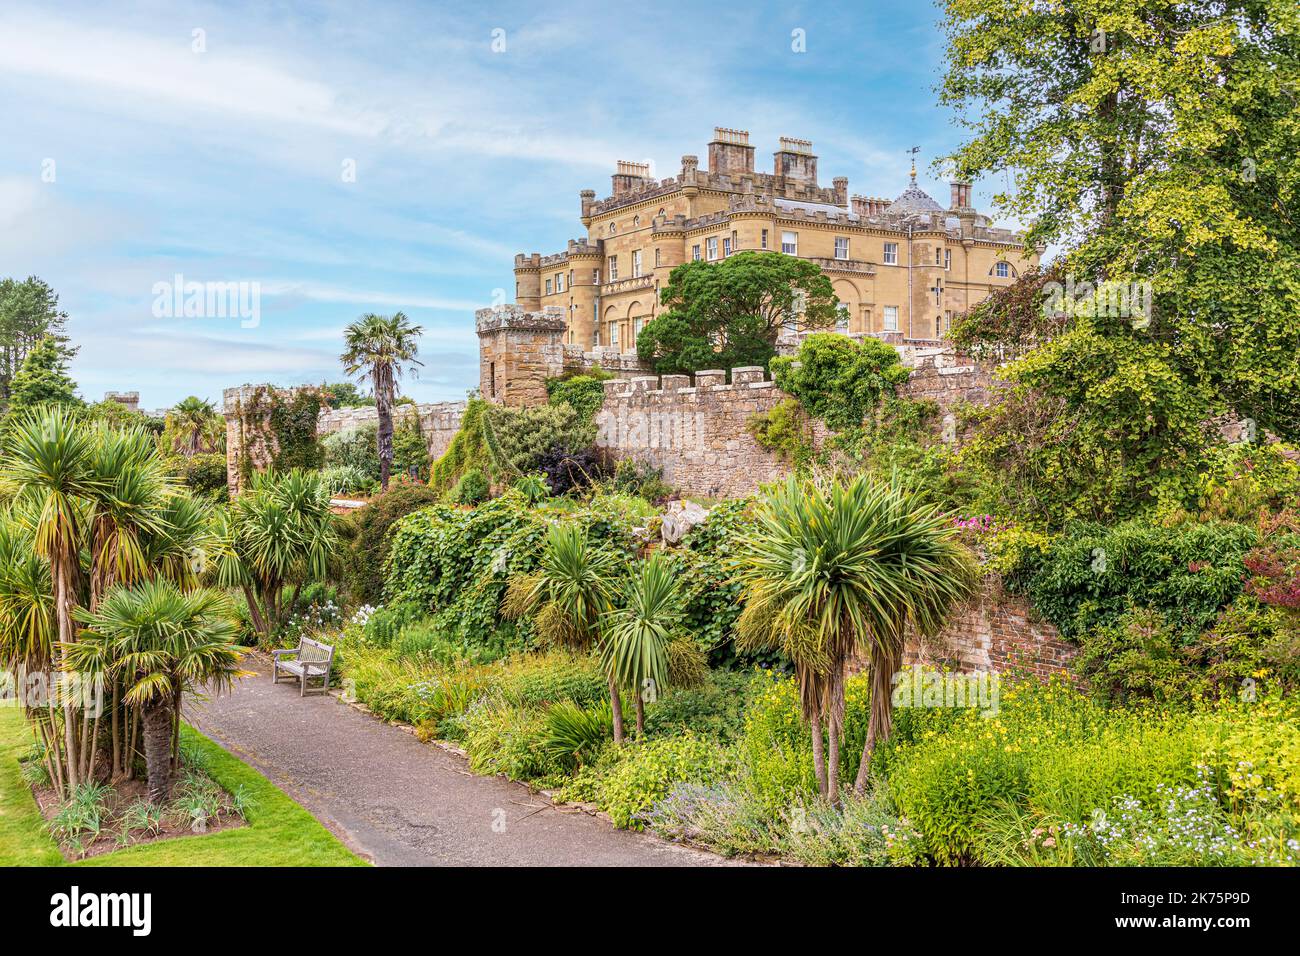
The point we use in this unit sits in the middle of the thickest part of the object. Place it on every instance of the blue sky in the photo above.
(227, 164)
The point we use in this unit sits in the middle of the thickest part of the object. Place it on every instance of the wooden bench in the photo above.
(313, 659)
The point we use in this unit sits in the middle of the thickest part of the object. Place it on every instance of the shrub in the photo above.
(645, 771)
(838, 379)
(346, 479)
(861, 832)
(471, 488)
(505, 443)
(724, 817)
(784, 429)
(1093, 574)
(575, 735)
(501, 739)
(715, 709)
(567, 470)
(368, 529)
(203, 474)
(585, 393)
(354, 448)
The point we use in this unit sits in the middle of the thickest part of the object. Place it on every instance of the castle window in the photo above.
(548, 286)
(636, 263)
(611, 229)
(790, 243)
(613, 268)
(841, 247)
(891, 254)
(613, 334)
(735, 240)
(695, 252)
(937, 289)
(947, 259)
(595, 277)
(559, 282)
(1003, 270)
(842, 320)
(570, 278)
(762, 243)
(938, 256)
(726, 247)
(639, 325)
(658, 258)
(891, 318)
(636, 220)
(711, 247)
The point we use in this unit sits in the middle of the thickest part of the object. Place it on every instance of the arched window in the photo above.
(636, 221)
(1003, 270)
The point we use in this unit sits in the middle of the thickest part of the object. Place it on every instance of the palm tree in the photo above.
(195, 419)
(567, 596)
(380, 347)
(832, 570)
(279, 533)
(48, 463)
(158, 642)
(639, 632)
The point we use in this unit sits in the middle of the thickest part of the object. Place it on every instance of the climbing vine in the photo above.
(279, 431)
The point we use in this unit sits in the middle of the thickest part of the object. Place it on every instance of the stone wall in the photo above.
(996, 632)
(439, 421)
(244, 429)
(698, 435)
(249, 435)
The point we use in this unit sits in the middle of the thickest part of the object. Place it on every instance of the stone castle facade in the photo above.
(900, 269)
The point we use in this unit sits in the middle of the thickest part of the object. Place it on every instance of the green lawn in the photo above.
(279, 832)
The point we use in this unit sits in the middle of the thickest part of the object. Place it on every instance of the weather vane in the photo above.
(913, 151)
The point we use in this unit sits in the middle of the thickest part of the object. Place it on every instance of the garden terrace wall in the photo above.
(439, 421)
(698, 435)
(250, 435)
(993, 633)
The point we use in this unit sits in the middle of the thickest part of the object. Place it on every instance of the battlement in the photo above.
(746, 377)
(513, 316)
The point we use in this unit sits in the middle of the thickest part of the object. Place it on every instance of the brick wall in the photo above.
(996, 632)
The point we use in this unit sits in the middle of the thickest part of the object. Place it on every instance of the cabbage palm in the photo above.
(280, 532)
(379, 347)
(27, 625)
(567, 596)
(833, 570)
(48, 462)
(639, 632)
(158, 642)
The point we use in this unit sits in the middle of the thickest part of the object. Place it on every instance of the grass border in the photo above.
(279, 831)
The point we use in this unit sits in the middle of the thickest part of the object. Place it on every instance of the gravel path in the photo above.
(399, 802)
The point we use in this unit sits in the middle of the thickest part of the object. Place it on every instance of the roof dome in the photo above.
(914, 201)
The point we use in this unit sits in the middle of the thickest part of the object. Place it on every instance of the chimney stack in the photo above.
(629, 176)
(730, 152)
(960, 194)
(795, 162)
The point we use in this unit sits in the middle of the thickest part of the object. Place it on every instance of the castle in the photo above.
(900, 269)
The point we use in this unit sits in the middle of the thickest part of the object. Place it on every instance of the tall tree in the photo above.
(43, 378)
(380, 348)
(841, 569)
(729, 313)
(1156, 142)
(29, 311)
